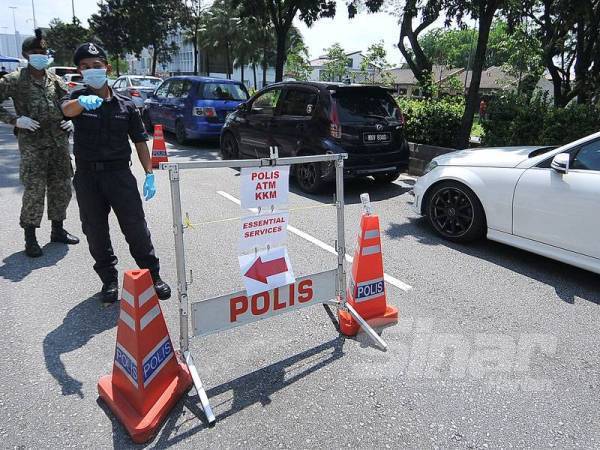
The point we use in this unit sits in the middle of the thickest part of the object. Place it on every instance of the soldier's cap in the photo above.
(89, 50)
(34, 42)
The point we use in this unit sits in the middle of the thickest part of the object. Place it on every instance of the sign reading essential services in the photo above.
(263, 229)
(265, 186)
(241, 308)
(266, 270)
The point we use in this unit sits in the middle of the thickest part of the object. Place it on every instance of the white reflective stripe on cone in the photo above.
(371, 234)
(371, 250)
(127, 320)
(146, 295)
(149, 317)
(128, 297)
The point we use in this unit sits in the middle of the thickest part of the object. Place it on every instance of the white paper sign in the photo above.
(265, 186)
(263, 229)
(266, 270)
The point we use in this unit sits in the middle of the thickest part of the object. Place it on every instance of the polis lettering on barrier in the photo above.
(274, 175)
(369, 289)
(127, 364)
(163, 352)
(264, 302)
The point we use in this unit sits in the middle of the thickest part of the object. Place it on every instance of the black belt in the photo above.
(102, 166)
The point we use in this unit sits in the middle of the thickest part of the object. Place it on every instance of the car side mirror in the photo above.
(242, 107)
(560, 163)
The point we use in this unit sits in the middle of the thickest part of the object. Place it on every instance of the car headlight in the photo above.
(429, 167)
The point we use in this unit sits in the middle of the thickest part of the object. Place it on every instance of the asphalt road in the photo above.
(496, 347)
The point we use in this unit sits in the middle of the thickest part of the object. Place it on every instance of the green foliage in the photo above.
(374, 66)
(297, 65)
(518, 120)
(517, 50)
(336, 67)
(63, 38)
(432, 121)
(118, 65)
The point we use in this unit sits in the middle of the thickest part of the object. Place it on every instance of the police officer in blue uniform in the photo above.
(104, 122)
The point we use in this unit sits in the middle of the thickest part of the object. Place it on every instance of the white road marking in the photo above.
(390, 279)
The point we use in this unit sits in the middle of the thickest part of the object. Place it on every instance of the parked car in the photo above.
(136, 87)
(74, 81)
(541, 199)
(193, 107)
(304, 118)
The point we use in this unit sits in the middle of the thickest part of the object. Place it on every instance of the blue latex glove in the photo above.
(149, 187)
(90, 102)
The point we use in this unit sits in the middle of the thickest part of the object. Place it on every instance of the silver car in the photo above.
(136, 87)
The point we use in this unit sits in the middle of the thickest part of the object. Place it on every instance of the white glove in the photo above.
(27, 123)
(67, 125)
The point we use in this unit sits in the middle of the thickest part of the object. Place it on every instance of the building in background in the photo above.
(355, 73)
(10, 45)
(211, 63)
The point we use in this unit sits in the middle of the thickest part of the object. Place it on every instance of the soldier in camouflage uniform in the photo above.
(43, 137)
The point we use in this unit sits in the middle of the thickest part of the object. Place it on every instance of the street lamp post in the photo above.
(33, 10)
(15, 25)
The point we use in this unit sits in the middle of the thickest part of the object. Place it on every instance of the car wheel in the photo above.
(389, 177)
(455, 212)
(180, 134)
(147, 122)
(229, 147)
(309, 177)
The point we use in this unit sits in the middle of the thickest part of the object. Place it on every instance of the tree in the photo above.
(63, 38)
(281, 14)
(218, 30)
(297, 65)
(375, 64)
(336, 66)
(151, 24)
(108, 27)
(419, 63)
(190, 19)
(483, 11)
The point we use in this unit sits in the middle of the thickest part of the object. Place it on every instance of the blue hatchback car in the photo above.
(193, 107)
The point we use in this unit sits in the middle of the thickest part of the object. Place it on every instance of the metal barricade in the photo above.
(337, 275)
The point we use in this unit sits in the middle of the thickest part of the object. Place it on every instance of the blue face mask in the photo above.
(95, 78)
(39, 62)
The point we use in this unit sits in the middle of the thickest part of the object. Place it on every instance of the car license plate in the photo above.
(376, 138)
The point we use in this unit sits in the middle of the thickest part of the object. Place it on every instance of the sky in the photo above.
(353, 34)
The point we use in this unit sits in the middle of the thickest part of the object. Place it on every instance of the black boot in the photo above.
(163, 291)
(59, 234)
(32, 248)
(109, 292)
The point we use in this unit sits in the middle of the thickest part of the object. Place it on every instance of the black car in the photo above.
(307, 118)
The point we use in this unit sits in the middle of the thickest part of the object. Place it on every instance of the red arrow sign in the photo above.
(260, 269)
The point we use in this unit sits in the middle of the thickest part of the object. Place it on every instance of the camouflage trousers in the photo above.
(45, 171)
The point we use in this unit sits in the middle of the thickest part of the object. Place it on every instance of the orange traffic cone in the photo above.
(159, 149)
(147, 377)
(366, 293)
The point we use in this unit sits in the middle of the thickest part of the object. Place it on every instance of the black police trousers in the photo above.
(99, 191)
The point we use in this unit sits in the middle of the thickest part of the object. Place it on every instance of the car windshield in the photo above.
(146, 82)
(60, 71)
(223, 91)
(75, 78)
(356, 105)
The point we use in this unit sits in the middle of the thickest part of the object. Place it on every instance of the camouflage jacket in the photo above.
(37, 99)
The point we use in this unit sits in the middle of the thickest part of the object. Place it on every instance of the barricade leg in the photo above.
(200, 389)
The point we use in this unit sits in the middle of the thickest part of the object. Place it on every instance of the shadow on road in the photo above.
(238, 394)
(569, 282)
(18, 265)
(82, 323)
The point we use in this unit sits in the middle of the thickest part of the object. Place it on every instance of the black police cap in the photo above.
(89, 50)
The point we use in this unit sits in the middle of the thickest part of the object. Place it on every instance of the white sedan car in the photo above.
(542, 199)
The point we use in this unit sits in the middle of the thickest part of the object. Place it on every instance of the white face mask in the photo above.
(95, 78)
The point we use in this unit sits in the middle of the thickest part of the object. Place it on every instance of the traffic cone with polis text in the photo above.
(366, 293)
(147, 377)
(159, 148)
